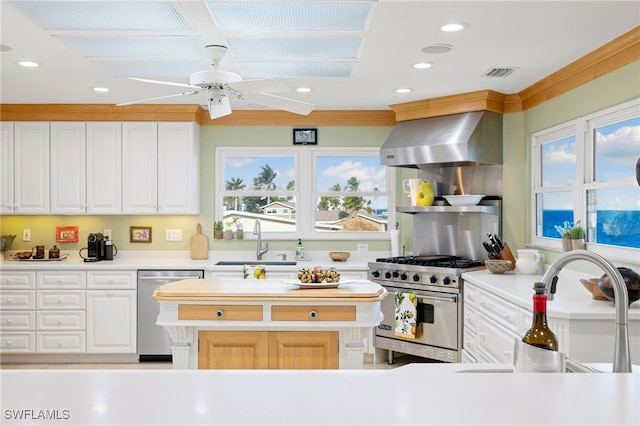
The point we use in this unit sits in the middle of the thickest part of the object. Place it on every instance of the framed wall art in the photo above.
(305, 136)
(140, 234)
(66, 234)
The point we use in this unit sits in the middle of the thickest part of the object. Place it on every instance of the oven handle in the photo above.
(453, 298)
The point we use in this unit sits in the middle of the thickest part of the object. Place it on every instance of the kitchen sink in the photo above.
(256, 262)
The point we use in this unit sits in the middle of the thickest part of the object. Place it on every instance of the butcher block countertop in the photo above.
(263, 290)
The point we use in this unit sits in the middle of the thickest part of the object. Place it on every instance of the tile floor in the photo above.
(398, 361)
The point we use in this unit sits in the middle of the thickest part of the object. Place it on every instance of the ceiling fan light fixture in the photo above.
(219, 106)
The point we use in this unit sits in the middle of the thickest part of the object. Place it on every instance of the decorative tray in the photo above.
(62, 257)
(316, 285)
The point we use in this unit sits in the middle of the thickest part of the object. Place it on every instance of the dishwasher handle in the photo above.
(163, 278)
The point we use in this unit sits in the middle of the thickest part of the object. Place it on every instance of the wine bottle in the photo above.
(540, 335)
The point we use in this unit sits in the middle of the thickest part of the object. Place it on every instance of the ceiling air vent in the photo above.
(499, 72)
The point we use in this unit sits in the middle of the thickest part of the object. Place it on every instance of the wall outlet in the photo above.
(363, 247)
(26, 235)
(173, 235)
(107, 234)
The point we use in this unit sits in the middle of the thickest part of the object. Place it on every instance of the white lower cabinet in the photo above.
(111, 312)
(17, 312)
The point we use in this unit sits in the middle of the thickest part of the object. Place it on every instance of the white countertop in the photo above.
(571, 301)
(415, 394)
(131, 260)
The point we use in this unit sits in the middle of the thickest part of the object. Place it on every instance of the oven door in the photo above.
(437, 317)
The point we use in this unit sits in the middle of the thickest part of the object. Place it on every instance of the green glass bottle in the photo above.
(540, 335)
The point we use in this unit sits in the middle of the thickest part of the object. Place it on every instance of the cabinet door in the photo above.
(139, 168)
(233, 350)
(303, 350)
(31, 167)
(6, 167)
(103, 170)
(67, 162)
(178, 168)
(111, 321)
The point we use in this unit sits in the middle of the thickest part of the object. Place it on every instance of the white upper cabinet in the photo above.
(31, 167)
(67, 162)
(139, 168)
(6, 166)
(104, 166)
(178, 168)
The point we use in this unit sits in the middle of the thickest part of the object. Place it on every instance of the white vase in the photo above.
(578, 244)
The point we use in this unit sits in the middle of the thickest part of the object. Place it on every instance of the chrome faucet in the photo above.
(259, 250)
(621, 354)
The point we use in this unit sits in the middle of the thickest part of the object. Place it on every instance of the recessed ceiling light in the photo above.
(100, 89)
(437, 48)
(402, 90)
(303, 90)
(454, 26)
(28, 64)
(422, 65)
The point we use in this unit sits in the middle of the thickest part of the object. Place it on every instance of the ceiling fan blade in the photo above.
(166, 83)
(261, 85)
(219, 106)
(158, 97)
(278, 102)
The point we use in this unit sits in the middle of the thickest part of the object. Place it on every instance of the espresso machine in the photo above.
(99, 248)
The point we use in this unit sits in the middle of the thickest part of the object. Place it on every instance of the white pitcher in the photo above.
(410, 187)
(530, 262)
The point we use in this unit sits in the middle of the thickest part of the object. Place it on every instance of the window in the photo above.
(585, 171)
(307, 192)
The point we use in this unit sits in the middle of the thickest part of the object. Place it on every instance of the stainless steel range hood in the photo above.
(472, 138)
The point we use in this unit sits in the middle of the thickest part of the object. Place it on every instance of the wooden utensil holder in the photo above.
(507, 255)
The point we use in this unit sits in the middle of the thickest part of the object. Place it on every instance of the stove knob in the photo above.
(433, 279)
(375, 274)
(446, 281)
(416, 277)
(396, 274)
(387, 274)
(404, 276)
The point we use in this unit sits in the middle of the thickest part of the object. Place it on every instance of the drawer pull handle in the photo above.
(59, 321)
(9, 321)
(9, 300)
(59, 300)
(59, 342)
(313, 314)
(219, 313)
(8, 342)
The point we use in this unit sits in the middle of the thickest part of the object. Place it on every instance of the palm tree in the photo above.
(235, 184)
(265, 180)
(353, 204)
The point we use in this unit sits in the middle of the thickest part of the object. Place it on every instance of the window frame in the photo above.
(583, 128)
(305, 177)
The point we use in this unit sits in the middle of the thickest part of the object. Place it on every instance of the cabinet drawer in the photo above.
(470, 295)
(18, 300)
(470, 341)
(220, 312)
(55, 320)
(53, 299)
(18, 320)
(17, 280)
(495, 340)
(58, 342)
(18, 342)
(470, 317)
(313, 313)
(111, 280)
(69, 279)
(502, 311)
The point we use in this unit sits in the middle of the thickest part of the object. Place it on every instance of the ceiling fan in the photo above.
(219, 85)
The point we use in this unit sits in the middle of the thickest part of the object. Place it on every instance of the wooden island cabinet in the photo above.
(268, 324)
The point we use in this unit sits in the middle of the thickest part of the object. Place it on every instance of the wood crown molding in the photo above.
(613, 55)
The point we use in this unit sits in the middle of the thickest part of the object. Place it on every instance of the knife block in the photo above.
(507, 255)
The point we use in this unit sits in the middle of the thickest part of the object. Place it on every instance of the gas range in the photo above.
(437, 272)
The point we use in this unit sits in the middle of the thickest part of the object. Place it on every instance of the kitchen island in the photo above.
(268, 324)
(401, 396)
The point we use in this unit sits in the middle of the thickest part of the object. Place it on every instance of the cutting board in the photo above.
(199, 245)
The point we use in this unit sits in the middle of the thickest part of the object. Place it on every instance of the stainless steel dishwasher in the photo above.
(154, 343)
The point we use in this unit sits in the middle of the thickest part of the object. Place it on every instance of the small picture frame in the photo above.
(140, 234)
(66, 234)
(305, 136)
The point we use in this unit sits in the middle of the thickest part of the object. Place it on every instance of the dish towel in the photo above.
(257, 272)
(406, 315)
